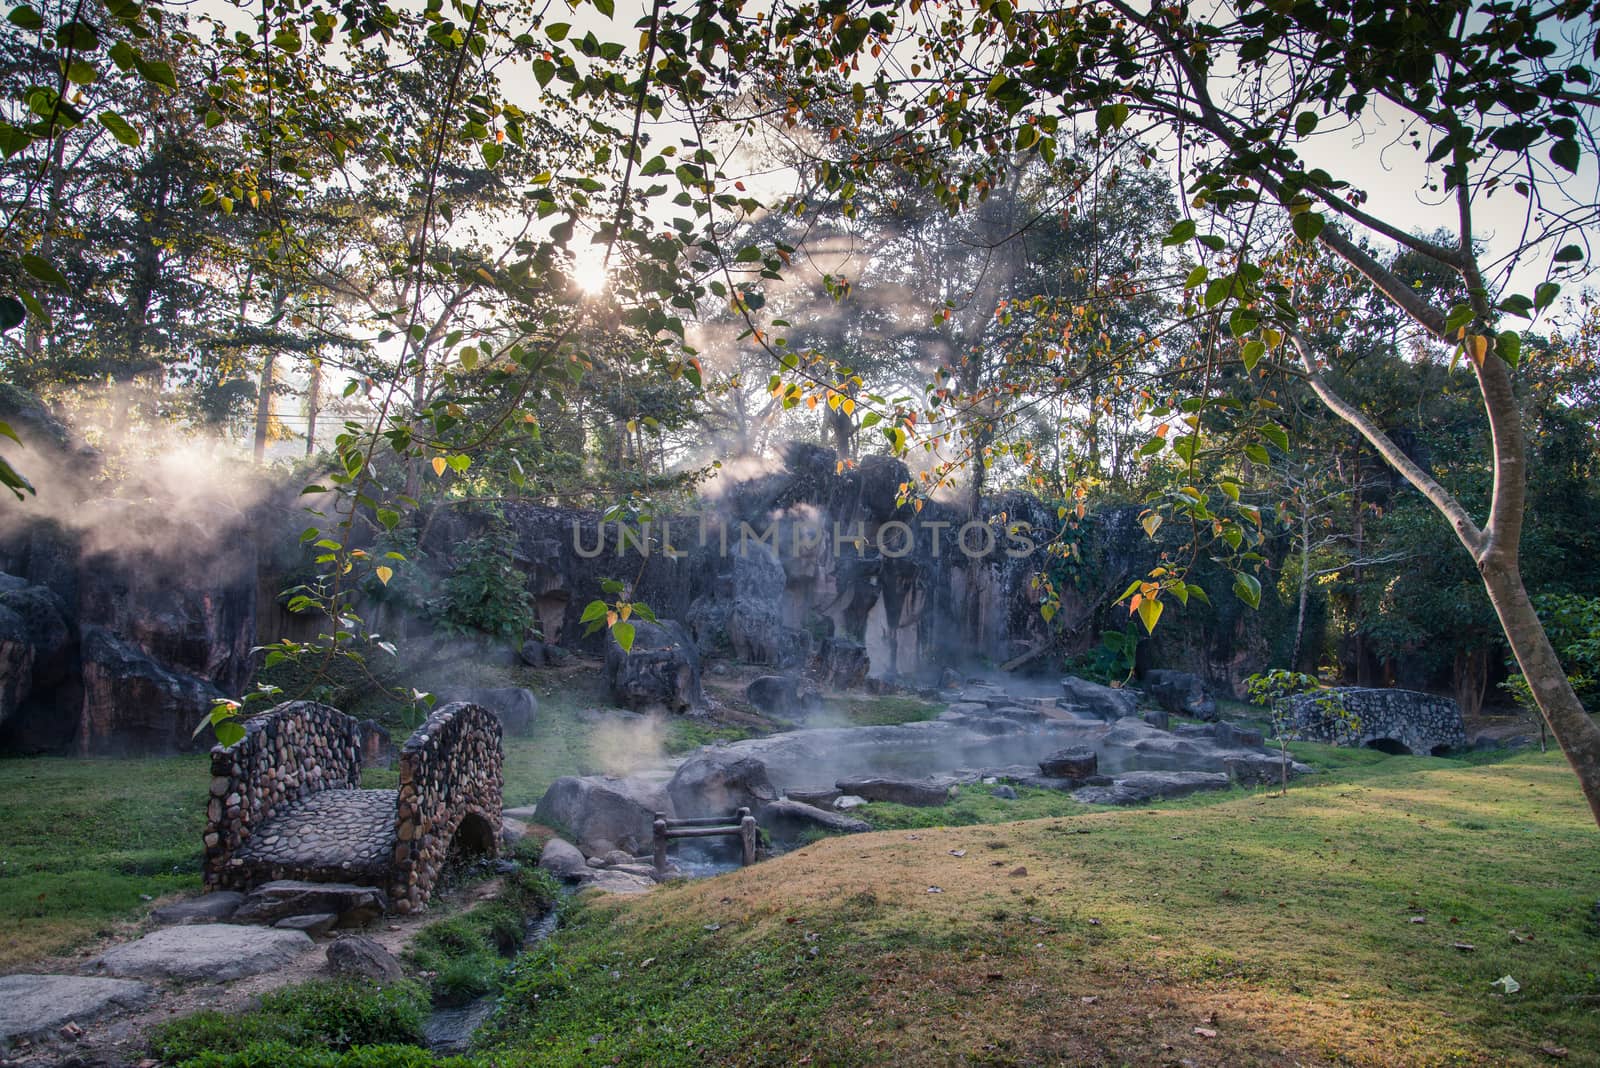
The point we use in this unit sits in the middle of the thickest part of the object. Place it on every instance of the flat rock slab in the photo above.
(213, 952)
(1139, 787)
(34, 1006)
(922, 792)
(612, 881)
(207, 908)
(271, 902)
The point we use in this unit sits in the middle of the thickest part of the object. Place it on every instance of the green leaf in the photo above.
(1277, 435)
(43, 270)
(557, 31)
(1304, 123)
(120, 129)
(25, 17)
(1196, 276)
(1569, 254)
(623, 632)
(1182, 231)
(1508, 346)
(12, 313)
(592, 611)
(1545, 294)
(156, 71)
(1251, 354)
(1307, 225)
(229, 733)
(606, 7)
(77, 37)
(80, 72)
(1565, 154)
(1247, 589)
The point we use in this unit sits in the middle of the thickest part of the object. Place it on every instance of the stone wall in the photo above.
(450, 784)
(293, 751)
(1387, 719)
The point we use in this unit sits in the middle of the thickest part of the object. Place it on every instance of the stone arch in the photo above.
(474, 837)
(1392, 746)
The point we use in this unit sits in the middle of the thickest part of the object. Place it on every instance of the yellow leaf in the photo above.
(1477, 347)
(611, 619)
(624, 611)
(384, 574)
(1149, 612)
(439, 465)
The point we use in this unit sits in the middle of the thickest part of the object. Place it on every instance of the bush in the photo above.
(324, 1014)
(285, 1055)
(485, 591)
(1573, 626)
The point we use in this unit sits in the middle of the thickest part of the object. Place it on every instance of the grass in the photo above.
(886, 711)
(1251, 930)
(323, 1014)
(85, 843)
(467, 955)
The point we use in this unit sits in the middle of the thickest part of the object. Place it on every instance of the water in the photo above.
(449, 1031)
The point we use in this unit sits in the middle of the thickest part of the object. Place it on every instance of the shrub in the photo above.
(485, 591)
(323, 1014)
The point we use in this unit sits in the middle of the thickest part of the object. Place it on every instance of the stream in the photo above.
(449, 1031)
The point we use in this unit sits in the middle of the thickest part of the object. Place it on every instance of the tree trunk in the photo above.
(1574, 729)
(1305, 583)
(313, 403)
(264, 405)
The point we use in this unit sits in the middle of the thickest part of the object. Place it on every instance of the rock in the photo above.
(849, 801)
(1074, 762)
(1100, 701)
(950, 679)
(1159, 719)
(132, 704)
(512, 830)
(599, 808)
(314, 924)
(718, 783)
(1262, 769)
(755, 624)
(787, 819)
(516, 708)
(1233, 736)
(784, 696)
(34, 1007)
(360, 957)
(1181, 693)
(1004, 793)
(207, 908)
(662, 670)
(37, 654)
(1398, 721)
(842, 664)
(611, 881)
(534, 653)
(207, 952)
(920, 792)
(817, 798)
(273, 901)
(616, 858)
(1139, 787)
(562, 859)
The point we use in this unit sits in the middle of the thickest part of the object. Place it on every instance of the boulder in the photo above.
(1233, 736)
(718, 783)
(920, 792)
(784, 696)
(1074, 762)
(842, 663)
(662, 670)
(273, 901)
(360, 957)
(787, 820)
(611, 881)
(1181, 693)
(36, 658)
(950, 679)
(819, 798)
(515, 707)
(562, 859)
(314, 924)
(1141, 787)
(1398, 721)
(755, 625)
(1159, 719)
(596, 809)
(205, 952)
(1101, 701)
(1004, 792)
(207, 908)
(34, 1007)
(132, 704)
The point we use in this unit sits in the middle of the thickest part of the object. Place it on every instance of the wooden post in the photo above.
(747, 836)
(659, 827)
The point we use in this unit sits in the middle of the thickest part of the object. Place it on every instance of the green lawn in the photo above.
(83, 843)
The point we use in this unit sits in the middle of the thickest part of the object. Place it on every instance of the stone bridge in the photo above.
(287, 803)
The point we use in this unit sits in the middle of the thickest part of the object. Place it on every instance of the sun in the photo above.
(589, 269)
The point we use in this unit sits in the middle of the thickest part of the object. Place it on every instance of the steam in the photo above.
(625, 746)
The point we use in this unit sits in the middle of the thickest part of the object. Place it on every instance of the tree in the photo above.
(1498, 98)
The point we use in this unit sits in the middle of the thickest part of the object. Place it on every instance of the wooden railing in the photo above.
(741, 825)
